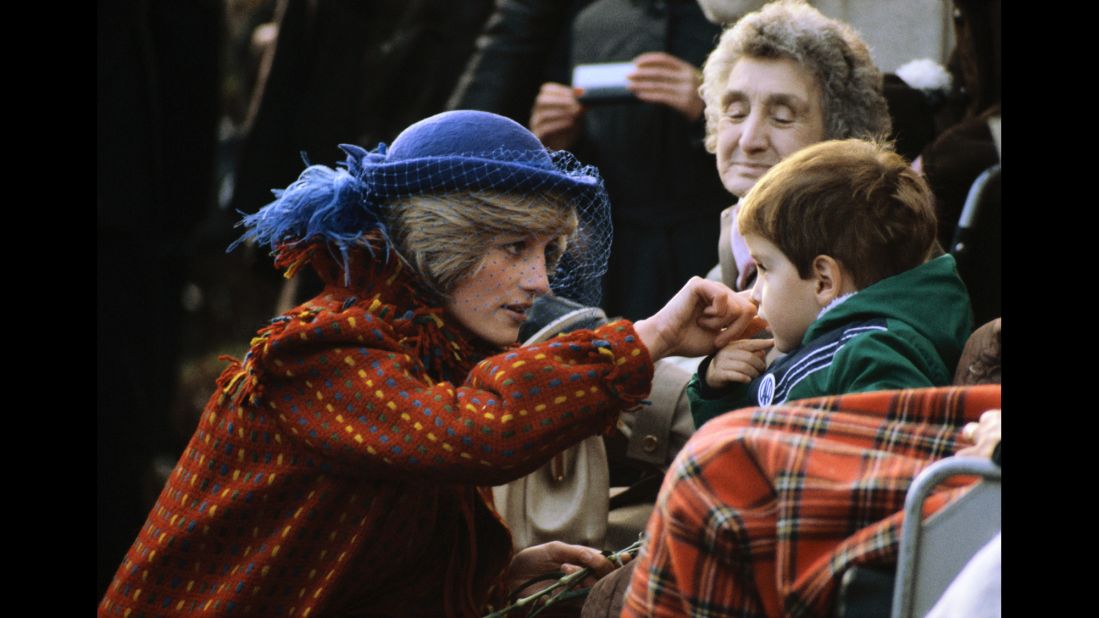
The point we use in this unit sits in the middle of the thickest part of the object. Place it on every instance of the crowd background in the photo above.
(204, 106)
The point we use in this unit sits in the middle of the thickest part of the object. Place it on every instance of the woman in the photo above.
(337, 470)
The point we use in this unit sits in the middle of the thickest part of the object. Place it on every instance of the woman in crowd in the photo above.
(337, 469)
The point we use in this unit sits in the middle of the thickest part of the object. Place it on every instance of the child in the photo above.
(841, 233)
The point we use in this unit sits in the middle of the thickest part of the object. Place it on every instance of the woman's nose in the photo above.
(534, 278)
(753, 133)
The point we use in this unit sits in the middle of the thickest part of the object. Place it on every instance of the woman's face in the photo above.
(771, 108)
(493, 302)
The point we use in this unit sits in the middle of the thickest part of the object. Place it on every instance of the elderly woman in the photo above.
(338, 469)
(781, 79)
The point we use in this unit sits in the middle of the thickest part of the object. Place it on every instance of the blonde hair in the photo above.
(854, 200)
(445, 238)
(831, 51)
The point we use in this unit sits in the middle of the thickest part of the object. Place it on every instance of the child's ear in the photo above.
(832, 279)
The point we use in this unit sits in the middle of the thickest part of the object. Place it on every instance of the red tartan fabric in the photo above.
(335, 472)
(765, 508)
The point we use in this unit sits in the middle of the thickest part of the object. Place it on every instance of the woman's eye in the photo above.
(783, 116)
(736, 112)
(516, 248)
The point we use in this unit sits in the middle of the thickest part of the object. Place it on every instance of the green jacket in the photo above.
(906, 331)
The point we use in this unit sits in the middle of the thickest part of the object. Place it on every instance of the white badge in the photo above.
(766, 390)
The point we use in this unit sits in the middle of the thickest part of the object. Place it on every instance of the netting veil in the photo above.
(453, 153)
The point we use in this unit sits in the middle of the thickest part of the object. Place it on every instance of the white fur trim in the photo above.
(925, 74)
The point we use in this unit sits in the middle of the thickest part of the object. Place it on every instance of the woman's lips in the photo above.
(758, 168)
(517, 311)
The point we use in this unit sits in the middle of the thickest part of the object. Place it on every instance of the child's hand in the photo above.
(740, 361)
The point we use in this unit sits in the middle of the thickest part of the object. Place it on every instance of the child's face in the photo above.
(788, 302)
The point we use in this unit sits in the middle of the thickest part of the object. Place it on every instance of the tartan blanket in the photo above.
(765, 508)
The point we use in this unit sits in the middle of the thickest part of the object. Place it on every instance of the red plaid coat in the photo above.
(336, 470)
(765, 508)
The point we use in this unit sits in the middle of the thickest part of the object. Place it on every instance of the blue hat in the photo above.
(452, 152)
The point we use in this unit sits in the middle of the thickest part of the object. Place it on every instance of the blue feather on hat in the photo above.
(327, 203)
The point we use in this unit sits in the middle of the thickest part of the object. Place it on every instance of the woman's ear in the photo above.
(832, 279)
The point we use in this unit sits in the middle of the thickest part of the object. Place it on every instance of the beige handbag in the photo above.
(567, 499)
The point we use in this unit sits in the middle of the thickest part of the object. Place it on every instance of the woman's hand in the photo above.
(984, 435)
(554, 556)
(555, 118)
(664, 79)
(703, 316)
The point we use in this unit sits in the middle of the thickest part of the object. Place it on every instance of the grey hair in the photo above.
(851, 86)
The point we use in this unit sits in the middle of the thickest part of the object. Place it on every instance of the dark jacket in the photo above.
(653, 159)
(523, 45)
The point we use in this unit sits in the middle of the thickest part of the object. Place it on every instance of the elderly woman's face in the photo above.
(771, 108)
(493, 302)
